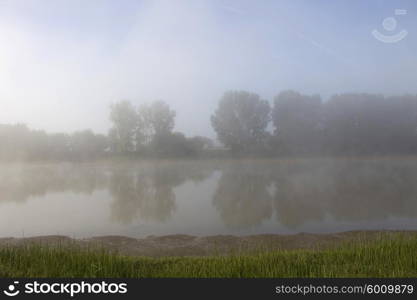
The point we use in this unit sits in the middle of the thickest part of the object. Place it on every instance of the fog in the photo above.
(62, 63)
(207, 197)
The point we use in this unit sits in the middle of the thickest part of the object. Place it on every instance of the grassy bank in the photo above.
(386, 257)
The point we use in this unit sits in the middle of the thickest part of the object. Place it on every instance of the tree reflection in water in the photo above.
(242, 196)
(345, 191)
(305, 191)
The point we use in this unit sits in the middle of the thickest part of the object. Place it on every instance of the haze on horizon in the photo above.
(62, 63)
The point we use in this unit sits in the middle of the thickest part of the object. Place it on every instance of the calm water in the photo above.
(207, 198)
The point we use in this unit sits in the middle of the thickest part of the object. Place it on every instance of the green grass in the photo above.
(386, 257)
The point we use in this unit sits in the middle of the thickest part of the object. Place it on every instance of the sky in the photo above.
(63, 62)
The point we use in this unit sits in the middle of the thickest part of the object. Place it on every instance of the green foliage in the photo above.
(345, 125)
(387, 257)
(124, 117)
(297, 122)
(21, 143)
(145, 129)
(240, 121)
(364, 124)
(158, 118)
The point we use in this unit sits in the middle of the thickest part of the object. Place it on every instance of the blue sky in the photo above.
(63, 62)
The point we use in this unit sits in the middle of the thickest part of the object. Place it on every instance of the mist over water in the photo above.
(207, 197)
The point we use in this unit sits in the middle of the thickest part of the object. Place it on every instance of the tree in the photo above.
(297, 122)
(171, 144)
(200, 143)
(240, 121)
(157, 118)
(58, 145)
(86, 144)
(368, 124)
(157, 121)
(14, 141)
(124, 117)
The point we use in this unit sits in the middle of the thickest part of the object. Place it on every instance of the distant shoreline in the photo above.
(121, 159)
(188, 245)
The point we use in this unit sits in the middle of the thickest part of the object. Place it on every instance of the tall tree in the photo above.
(240, 121)
(371, 124)
(124, 117)
(297, 122)
(157, 120)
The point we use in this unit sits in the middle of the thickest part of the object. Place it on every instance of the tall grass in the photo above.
(386, 257)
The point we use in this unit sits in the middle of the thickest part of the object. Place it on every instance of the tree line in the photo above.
(18, 142)
(245, 124)
(346, 124)
(148, 130)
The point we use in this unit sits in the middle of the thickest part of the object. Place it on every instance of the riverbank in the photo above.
(351, 254)
(188, 245)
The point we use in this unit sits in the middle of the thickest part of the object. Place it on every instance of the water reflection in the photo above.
(348, 191)
(242, 196)
(20, 182)
(257, 196)
(143, 191)
(145, 195)
(147, 192)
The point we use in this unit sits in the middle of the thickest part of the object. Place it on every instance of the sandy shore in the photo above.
(186, 245)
